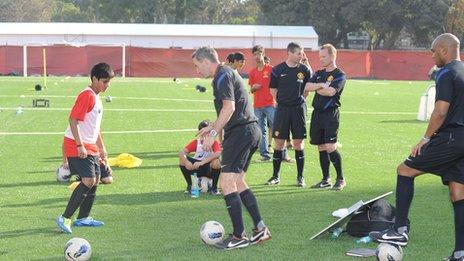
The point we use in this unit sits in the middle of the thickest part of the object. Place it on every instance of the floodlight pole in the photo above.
(25, 60)
(44, 55)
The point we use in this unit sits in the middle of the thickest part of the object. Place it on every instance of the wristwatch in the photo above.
(213, 133)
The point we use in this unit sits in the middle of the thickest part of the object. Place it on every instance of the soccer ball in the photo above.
(212, 232)
(108, 99)
(62, 174)
(389, 252)
(205, 184)
(77, 249)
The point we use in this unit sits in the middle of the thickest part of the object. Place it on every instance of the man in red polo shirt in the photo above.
(263, 103)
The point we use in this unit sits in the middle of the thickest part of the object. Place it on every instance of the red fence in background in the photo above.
(152, 62)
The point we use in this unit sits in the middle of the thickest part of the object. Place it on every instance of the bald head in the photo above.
(449, 42)
(445, 48)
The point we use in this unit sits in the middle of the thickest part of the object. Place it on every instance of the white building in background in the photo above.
(185, 36)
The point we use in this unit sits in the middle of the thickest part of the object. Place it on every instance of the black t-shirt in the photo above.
(229, 85)
(450, 88)
(337, 80)
(290, 83)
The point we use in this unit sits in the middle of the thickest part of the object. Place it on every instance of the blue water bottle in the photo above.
(195, 190)
(336, 233)
(364, 240)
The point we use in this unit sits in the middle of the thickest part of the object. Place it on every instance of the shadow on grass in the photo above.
(404, 121)
(143, 155)
(152, 198)
(29, 232)
(30, 184)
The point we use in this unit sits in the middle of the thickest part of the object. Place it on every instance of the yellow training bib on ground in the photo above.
(125, 160)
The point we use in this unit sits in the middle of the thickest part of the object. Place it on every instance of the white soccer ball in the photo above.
(212, 232)
(205, 184)
(109, 99)
(389, 252)
(77, 249)
(62, 174)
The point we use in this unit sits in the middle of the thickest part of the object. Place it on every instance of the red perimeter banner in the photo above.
(154, 62)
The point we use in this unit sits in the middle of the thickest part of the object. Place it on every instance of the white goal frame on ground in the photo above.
(123, 56)
(427, 103)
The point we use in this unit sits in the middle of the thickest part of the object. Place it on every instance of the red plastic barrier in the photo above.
(155, 62)
(11, 60)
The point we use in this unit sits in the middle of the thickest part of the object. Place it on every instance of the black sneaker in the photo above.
(232, 242)
(188, 189)
(273, 181)
(322, 184)
(339, 184)
(260, 236)
(300, 182)
(390, 236)
(215, 192)
(452, 258)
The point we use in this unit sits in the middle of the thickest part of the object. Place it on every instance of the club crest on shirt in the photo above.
(330, 78)
(265, 74)
(300, 76)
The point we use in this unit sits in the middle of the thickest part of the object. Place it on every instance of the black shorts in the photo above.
(238, 147)
(324, 126)
(288, 119)
(202, 171)
(443, 155)
(85, 168)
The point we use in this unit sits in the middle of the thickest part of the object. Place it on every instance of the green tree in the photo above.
(454, 19)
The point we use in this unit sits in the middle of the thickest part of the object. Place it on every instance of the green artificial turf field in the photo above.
(147, 215)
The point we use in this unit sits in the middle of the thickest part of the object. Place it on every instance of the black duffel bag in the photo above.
(377, 217)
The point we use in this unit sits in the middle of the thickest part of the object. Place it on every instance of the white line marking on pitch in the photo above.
(111, 109)
(206, 110)
(128, 98)
(104, 132)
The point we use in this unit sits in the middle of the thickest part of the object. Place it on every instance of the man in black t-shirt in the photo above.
(241, 139)
(288, 80)
(440, 151)
(328, 84)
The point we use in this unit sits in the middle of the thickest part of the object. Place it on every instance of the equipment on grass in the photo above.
(212, 232)
(62, 174)
(77, 249)
(389, 252)
(40, 103)
(427, 103)
(205, 184)
(361, 252)
(200, 88)
(108, 99)
(353, 210)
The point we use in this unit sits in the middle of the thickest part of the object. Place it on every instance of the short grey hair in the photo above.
(206, 52)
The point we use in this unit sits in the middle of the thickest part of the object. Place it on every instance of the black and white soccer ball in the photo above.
(77, 249)
(212, 232)
(63, 174)
(389, 252)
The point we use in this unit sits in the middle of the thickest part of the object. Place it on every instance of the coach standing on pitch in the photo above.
(440, 151)
(241, 139)
(328, 85)
(287, 87)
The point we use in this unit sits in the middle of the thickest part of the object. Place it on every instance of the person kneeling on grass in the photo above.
(203, 163)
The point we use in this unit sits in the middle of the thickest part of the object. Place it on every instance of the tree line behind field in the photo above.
(385, 24)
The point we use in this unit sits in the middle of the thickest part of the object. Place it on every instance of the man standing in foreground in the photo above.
(440, 151)
(241, 139)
